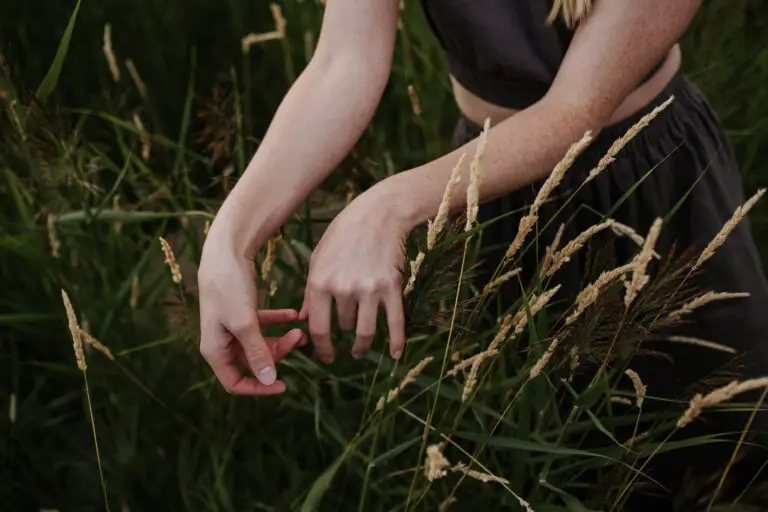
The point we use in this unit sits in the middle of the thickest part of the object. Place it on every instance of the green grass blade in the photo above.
(52, 77)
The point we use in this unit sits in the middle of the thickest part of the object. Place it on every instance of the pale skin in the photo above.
(354, 266)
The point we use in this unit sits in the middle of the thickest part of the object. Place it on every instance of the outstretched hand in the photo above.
(231, 327)
(356, 265)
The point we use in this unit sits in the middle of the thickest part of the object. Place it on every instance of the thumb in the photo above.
(247, 332)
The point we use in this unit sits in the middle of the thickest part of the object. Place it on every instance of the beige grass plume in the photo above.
(135, 292)
(640, 276)
(109, 53)
(415, 266)
(278, 33)
(477, 475)
(544, 359)
(136, 77)
(437, 464)
(415, 103)
(435, 228)
(170, 259)
(409, 378)
(591, 292)
(74, 330)
(640, 388)
(703, 300)
(620, 229)
(552, 181)
(621, 142)
(718, 396)
(269, 258)
(552, 248)
(97, 345)
(475, 177)
(562, 256)
(536, 303)
(492, 285)
(690, 340)
(729, 226)
(53, 236)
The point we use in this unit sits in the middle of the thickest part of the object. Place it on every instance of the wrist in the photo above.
(398, 203)
(238, 228)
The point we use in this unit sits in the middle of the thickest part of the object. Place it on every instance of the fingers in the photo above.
(319, 310)
(396, 324)
(277, 316)
(366, 326)
(247, 331)
(280, 347)
(217, 347)
(346, 308)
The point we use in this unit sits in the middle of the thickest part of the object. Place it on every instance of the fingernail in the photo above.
(357, 355)
(397, 354)
(267, 375)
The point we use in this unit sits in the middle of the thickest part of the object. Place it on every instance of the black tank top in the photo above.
(504, 51)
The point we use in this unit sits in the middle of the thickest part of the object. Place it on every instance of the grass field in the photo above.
(97, 169)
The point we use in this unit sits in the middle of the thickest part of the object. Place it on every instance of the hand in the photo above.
(231, 324)
(356, 265)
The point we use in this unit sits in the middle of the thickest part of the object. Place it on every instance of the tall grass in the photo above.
(120, 168)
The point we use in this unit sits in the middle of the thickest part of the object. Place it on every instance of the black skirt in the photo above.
(690, 160)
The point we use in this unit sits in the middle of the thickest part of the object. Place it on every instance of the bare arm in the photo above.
(318, 122)
(611, 51)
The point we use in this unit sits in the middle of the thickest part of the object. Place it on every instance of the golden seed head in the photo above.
(74, 330)
(700, 402)
(640, 277)
(640, 388)
(475, 177)
(170, 259)
(436, 464)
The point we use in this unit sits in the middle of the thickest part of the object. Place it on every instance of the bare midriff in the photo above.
(478, 110)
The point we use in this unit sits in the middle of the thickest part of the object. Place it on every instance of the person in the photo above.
(544, 73)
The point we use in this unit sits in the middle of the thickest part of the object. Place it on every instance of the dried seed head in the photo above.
(146, 142)
(409, 378)
(136, 77)
(110, 54)
(96, 344)
(501, 280)
(415, 266)
(463, 364)
(477, 475)
(414, 97)
(552, 249)
(544, 359)
(690, 340)
(53, 236)
(703, 300)
(729, 226)
(591, 292)
(621, 142)
(640, 388)
(640, 277)
(74, 330)
(436, 464)
(620, 229)
(170, 259)
(475, 177)
(269, 258)
(718, 396)
(536, 304)
(436, 227)
(553, 180)
(562, 257)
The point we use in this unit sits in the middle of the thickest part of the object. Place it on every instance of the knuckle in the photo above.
(256, 353)
(242, 323)
(318, 284)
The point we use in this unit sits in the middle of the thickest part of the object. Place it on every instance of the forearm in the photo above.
(316, 125)
(520, 151)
